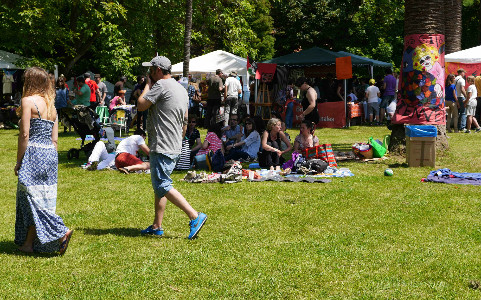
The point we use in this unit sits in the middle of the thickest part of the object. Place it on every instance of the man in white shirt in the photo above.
(126, 160)
(461, 94)
(232, 91)
(372, 94)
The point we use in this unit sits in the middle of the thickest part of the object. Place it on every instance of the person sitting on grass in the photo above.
(193, 134)
(248, 147)
(270, 156)
(233, 132)
(212, 140)
(306, 138)
(126, 160)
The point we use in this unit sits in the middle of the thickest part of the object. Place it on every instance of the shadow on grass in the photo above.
(399, 165)
(123, 231)
(11, 248)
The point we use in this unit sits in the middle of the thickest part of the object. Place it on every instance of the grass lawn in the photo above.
(363, 237)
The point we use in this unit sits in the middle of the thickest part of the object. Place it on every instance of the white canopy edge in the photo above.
(467, 56)
(212, 61)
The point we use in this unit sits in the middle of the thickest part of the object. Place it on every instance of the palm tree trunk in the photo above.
(432, 27)
(187, 36)
(453, 24)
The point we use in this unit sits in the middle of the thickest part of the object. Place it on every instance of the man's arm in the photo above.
(186, 120)
(145, 148)
(142, 103)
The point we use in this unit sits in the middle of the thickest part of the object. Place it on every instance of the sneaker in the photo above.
(449, 131)
(467, 131)
(151, 230)
(93, 166)
(478, 129)
(196, 225)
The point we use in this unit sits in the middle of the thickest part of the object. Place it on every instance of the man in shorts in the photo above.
(372, 95)
(167, 102)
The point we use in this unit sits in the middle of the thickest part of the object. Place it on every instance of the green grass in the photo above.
(363, 237)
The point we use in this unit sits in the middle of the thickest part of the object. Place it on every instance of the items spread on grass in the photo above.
(448, 176)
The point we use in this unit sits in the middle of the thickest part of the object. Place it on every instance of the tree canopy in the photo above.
(112, 37)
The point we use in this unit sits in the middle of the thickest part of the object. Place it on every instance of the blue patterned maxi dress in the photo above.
(37, 190)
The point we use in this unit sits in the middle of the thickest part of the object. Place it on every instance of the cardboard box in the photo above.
(421, 151)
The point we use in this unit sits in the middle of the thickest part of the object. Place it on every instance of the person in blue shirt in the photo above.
(248, 147)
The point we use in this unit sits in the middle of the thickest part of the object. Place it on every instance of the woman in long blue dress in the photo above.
(37, 227)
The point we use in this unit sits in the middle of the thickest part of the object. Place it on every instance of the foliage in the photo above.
(362, 237)
(471, 35)
(371, 28)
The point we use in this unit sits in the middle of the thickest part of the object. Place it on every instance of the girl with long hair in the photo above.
(37, 227)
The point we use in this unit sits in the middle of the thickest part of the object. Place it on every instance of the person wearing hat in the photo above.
(167, 102)
(461, 94)
(214, 97)
(372, 94)
(102, 90)
(117, 100)
(232, 91)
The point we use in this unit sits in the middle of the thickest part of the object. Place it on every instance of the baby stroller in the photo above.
(85, 122)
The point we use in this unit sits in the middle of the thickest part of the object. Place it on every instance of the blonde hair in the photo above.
(38, 82)
(271, 123)
(422, 51)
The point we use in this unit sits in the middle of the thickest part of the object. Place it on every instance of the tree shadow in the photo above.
(122, 231)
(398, 165)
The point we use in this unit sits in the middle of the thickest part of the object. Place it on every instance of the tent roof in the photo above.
(467, 56)
(212, 61)
(7, 60)
(367, 61)
(310, 57)
(317, 56)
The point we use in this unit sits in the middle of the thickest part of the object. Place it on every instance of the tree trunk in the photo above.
(453, 25)
(187, 36)
(417, 22)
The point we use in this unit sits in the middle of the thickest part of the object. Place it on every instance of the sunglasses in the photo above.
(233, 120)
(248, 123)
(192, 122)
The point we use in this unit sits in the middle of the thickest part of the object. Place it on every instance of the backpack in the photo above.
(217, 161)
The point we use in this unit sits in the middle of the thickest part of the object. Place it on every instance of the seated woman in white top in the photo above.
(248, 147)
(305, 139)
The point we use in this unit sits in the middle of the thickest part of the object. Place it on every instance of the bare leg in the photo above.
(475, 123)
(469, 119)
(178, 200)
(159, 206)
(28, 244)
(143, 166)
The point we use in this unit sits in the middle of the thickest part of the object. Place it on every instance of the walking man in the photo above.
(232, 91)
(461, 94)
(167, 102)
(214, 100)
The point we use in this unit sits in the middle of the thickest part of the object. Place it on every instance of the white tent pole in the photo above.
(372, 72)
(345, 103)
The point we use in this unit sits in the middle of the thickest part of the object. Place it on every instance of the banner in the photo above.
(331, 115)
(421, 92)
(343, 67)
(471, 69)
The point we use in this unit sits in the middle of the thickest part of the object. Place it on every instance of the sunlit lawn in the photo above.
(363, 237)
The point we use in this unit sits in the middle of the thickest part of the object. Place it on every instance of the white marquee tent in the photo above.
(467, 56)
(7, 60)
(212, 61)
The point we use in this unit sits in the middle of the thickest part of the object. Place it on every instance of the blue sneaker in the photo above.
(196, 224)
(151, 230)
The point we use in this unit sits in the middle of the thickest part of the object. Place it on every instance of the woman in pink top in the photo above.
(212, 140)
(117, 100)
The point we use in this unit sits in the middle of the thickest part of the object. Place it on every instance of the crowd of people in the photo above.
(166, 103)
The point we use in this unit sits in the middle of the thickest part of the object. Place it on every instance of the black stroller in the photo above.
(85, 122)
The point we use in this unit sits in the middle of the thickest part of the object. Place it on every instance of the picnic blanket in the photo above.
(448, 176)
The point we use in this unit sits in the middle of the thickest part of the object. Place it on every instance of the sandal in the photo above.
(124, 170)
(64, 244)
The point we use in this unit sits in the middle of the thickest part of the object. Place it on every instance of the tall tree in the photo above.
(453, 24)
(416, 22)
(187, 35)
